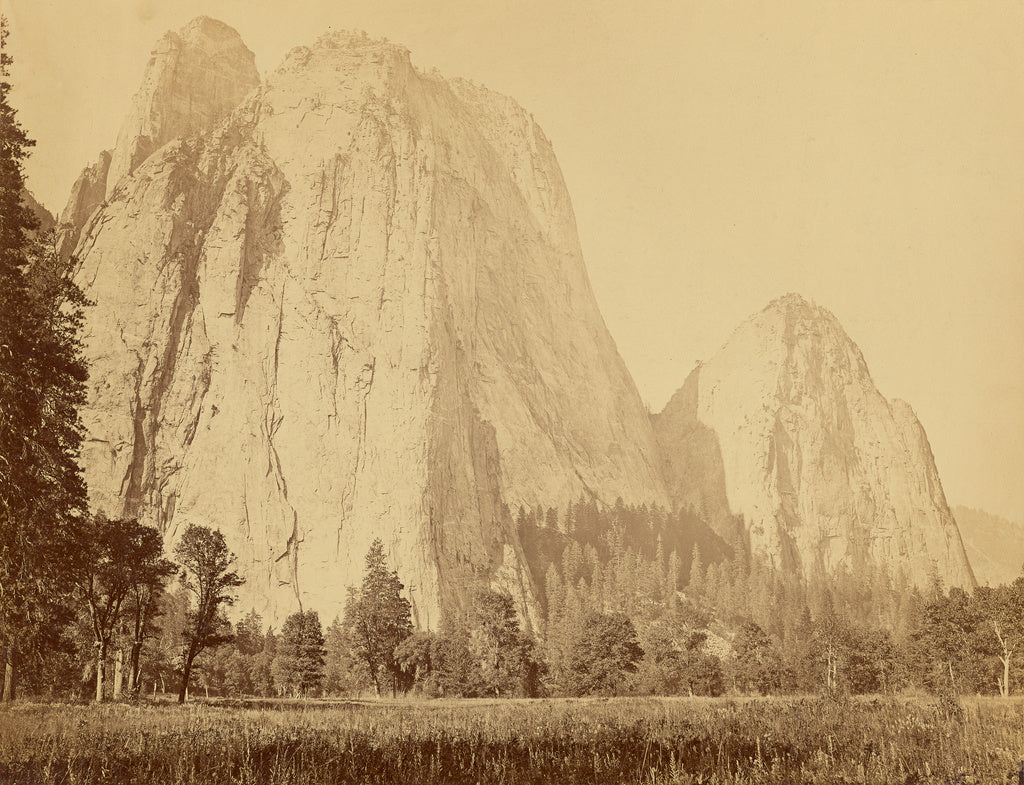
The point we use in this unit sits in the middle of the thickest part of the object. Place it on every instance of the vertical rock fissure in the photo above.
(271, 423)
(349, 489)
(262, 233)
(132, 482)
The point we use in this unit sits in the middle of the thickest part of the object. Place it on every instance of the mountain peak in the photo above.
(785, 427)
(208, 26)
(789, 302)
(794, 308)
(195, 78)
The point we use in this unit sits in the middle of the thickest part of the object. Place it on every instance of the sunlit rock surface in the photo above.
(785, 427)
(346, 303)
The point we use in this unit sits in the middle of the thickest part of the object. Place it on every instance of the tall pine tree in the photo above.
(42, 387)
(378, 618)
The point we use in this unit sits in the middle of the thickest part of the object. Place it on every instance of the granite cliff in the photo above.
(785, 427)
(342, 303)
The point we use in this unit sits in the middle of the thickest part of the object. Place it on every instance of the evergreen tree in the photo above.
(249, 633)
(947, 648)
(261, 668)
(672, 576)
(454, 670)
(300, 653)
(697, 573)
(42, 387)
(238, 672)
(378, 618)
(562, 631)
(505, 654)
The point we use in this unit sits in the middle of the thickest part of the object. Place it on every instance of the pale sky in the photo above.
(868, 155)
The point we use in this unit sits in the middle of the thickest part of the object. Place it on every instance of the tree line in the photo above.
(623, 623)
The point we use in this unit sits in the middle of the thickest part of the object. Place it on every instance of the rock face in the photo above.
(193, 80)
(87, 194)
(784, 426)
(344, 304)
(46, 220)
(994, 545)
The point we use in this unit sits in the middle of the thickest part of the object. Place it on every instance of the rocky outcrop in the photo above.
(87, 195)
(785, 427)
(193, 80)
(353, 307)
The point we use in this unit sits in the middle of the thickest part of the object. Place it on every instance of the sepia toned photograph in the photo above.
(487, 392)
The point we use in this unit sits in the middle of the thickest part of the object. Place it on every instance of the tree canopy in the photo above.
(604, 654)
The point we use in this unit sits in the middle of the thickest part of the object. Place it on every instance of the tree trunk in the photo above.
(185, 676)
(101, 656)
(8, 694)
(1004, 686)
(134, 668)
(118, 673)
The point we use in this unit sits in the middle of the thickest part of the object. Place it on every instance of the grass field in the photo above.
(653, 741)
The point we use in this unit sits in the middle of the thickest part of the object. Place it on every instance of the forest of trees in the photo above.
(620, 621)
(632, 600)
(616, 622)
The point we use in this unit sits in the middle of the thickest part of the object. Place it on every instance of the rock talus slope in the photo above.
(346, 303)
(785, 427)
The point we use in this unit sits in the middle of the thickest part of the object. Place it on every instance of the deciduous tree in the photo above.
(757, 666)
(207, 575)
(604, 654)
(505, 654)
(121, 564)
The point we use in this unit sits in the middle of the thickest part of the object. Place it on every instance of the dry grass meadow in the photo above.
(628, 740)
